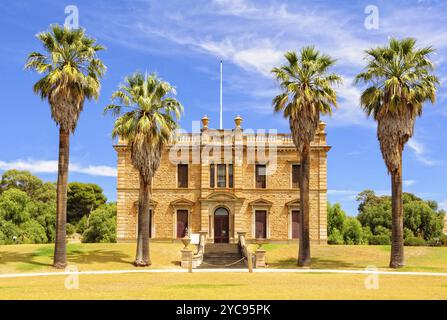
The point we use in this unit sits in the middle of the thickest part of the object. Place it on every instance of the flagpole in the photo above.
(221, 127)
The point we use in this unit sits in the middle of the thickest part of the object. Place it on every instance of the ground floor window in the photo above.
(295, 224)
(182, 223)
(260, 224)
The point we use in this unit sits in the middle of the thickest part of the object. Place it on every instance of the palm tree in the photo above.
(307, 92)
(400, 80)
(71, 72)
(148, 126)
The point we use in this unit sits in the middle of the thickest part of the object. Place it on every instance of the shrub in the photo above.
(33, 232)
(9, 232)
(102, 225)
(379, 240)
(408, 233)
(443, 240)
(335, 237)
(415, 241)
(366, 235)
(71, 229)
(82, 225)
(382, 231)
(353, 232)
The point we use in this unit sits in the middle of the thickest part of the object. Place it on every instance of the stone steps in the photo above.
(220, 255)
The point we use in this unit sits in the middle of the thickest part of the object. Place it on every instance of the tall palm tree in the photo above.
(400, 79)
(72, 73)
(147, 125)
(307, 92)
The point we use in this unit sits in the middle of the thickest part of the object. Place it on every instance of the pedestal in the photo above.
(260, 258)
(186, 257)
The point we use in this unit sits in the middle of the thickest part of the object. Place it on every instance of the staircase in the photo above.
(221, 255)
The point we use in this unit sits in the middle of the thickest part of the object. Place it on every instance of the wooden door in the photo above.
(261, 224)
(182, 223)
(221, 226)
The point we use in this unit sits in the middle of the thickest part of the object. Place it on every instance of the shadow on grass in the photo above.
(43, 257)
(316, 263)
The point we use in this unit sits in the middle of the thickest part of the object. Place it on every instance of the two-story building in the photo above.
(224, 182)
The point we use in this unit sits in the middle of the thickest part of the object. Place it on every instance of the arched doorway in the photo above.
(221, 225)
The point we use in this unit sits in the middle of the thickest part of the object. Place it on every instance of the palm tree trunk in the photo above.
(397, 238)
(142, 257)
(60, 251)
(304, 241)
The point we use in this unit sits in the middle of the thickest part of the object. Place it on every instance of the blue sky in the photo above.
(183, 42)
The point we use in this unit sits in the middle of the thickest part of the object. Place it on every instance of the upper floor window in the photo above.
(221, 175)
(295, 176)
(182, 176)
(261, 176)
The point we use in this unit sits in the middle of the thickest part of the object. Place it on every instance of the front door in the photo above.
(221, 226)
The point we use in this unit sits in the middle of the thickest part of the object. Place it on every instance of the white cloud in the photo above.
(50, 166)
(349, 111)
(421, 153)
(409, 183)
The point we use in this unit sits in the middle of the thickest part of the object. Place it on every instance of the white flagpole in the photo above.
(221, 127)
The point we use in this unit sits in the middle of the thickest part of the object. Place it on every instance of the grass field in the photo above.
(86, 257)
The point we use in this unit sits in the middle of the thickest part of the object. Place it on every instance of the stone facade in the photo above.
(241, 200)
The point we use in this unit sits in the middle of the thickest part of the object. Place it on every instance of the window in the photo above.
(296, 176)
(182, 175)
(260, 224)
(212, 175)
(221, 176)
(230, 176)
(295, 224)
(182, 223)
(261, 176)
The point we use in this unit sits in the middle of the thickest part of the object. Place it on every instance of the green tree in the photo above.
(400, 81)
(148, 126)
(33, 232)
(15, 206)
(101, 225)
(9, 232)
(420, 218)
(336, 218)
(72, 73)
(34, 187)
(352, 231)
(83, 198)
(307, 92)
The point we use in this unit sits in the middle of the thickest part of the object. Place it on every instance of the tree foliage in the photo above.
(421, 218)
(28, 208)
(82, 199)
(101, 225)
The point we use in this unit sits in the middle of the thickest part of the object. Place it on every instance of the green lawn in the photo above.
(38, 258)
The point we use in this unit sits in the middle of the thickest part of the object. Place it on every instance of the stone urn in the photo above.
(186, 240)
(260, 242)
